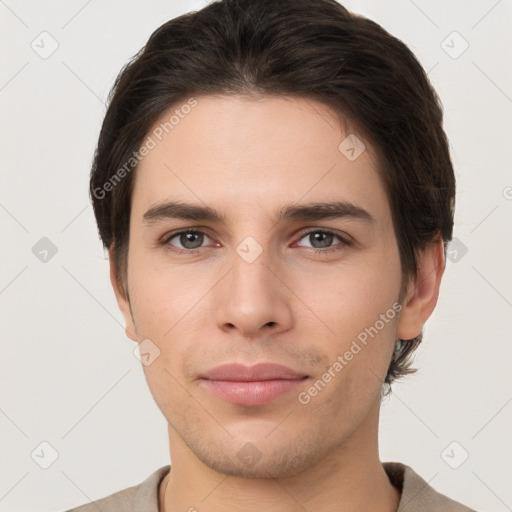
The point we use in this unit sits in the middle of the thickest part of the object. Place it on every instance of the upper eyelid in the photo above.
(334, 232)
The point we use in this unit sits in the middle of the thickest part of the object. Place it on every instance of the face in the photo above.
(266, 276)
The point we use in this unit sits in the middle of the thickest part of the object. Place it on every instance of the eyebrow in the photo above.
(304, 212)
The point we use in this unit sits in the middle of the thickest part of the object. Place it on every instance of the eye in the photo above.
(321, 240)
(188, 240)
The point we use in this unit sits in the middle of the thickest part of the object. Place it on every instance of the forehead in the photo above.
(233, 151)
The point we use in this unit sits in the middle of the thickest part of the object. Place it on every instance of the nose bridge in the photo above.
(253, 249)
(252, 297)
(250, 277)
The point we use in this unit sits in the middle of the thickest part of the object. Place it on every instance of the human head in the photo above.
(313, 49)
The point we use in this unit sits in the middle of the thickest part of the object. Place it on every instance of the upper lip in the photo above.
(241, 373)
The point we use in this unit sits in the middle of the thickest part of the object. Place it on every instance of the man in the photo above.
(274, 186)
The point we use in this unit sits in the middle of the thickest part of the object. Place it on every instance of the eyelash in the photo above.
(344, 242)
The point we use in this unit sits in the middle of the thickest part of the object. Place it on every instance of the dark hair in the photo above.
(307, 48)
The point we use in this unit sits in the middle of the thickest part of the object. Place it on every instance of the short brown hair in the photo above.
(308, 48)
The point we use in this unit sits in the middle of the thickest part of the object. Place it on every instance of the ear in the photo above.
(123, 300)
(422, 293)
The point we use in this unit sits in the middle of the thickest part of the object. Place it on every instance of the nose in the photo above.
(252, 299)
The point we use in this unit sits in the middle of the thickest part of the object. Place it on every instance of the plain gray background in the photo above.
(68, 374)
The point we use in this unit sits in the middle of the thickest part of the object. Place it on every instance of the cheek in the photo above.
(347, 299)
(168, 308)
(353, 313)
(161, 296)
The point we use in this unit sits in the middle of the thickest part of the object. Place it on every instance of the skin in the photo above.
(247, 158)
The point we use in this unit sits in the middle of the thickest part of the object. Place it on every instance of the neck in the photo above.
(349, 477)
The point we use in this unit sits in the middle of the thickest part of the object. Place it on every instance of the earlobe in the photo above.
(122, 298)
(423, 292)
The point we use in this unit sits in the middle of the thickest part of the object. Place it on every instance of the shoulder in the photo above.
(143, 496)
(417, 494)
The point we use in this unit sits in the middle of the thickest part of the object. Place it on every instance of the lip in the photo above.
(258, 372)
(251, 385)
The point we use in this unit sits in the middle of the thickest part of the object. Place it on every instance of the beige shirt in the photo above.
(417, 495)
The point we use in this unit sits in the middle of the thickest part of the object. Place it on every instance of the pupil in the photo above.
(324, 238)
(189, 237)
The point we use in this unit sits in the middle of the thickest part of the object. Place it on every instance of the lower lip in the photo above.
(251, 393)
